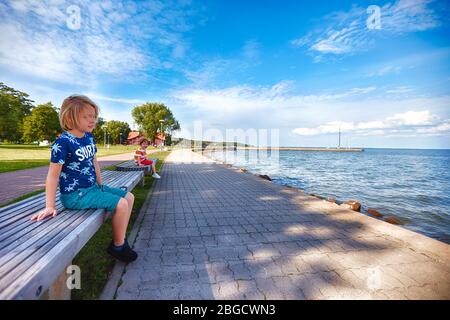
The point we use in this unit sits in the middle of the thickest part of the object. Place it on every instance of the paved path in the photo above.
(211, 232)
(18, 183)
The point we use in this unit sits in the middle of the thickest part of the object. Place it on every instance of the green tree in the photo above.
(147, 117)
(14, 107)
(115, 128)
(42, 124)
(98, 132)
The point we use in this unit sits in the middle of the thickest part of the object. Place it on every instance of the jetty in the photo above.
(211, 231)
(234, 148)
(303, 149)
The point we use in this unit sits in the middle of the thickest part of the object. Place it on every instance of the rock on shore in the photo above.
(374, 213)
(391, 219)
(265, 176)
(352, 204)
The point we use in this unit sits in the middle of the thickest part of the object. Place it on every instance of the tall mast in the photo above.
(339, 146)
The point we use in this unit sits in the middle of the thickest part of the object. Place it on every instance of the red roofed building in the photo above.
(135, 137)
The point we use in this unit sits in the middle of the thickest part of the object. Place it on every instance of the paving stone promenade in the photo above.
(211, 232)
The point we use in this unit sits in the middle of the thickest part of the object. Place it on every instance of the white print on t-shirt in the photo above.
(71, 186)
(85, 152)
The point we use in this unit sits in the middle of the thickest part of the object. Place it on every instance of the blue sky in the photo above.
(305, 68)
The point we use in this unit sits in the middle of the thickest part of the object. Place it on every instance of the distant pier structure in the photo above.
(339, 144)
(339, 149)
(210, 147)
(233, 148)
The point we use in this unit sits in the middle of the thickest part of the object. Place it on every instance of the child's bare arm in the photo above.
(51, 185)
(97, 171)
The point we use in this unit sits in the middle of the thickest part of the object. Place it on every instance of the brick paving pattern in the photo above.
(211, 232)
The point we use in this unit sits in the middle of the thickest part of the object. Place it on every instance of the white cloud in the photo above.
(441, 128)
(377, 124)
(337, 42)
(408, 16)
(413, 118)
(400, 89)
(96, 96)
(39, 56)
(307, 131)
(347, 32)
(305, 117)
(374, 133)
(208, 71)
(385, 70)
(113, 39)
(408, 122)
(330, 127)
(241, 100)
(362, 90)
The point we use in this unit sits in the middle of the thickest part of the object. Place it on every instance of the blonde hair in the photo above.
(71, 108)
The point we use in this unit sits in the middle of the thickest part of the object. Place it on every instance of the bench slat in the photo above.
(20, 221)
(22, 228)
(24, 266)
(53, 255)
(12, 261)
(17, 243)
(34, 260)
(16, 207)
(38, 204)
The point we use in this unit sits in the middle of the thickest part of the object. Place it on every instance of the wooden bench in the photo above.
(34, 255)
(131, 166)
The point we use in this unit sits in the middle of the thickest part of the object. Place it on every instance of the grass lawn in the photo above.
(25, 196)
(24, 156)
(95, 264)
(13, 165)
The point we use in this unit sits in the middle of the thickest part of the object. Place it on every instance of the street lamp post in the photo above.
(120, 139)
(161, 132)
(104, 138)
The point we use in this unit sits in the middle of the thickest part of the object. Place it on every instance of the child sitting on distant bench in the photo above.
(140, 158)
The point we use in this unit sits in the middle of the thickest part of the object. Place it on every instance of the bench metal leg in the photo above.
(142, 182)
(148, 171)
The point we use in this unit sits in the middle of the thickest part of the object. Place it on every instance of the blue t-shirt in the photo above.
(77, 157)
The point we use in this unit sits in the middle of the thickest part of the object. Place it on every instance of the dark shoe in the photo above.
(125, 254)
